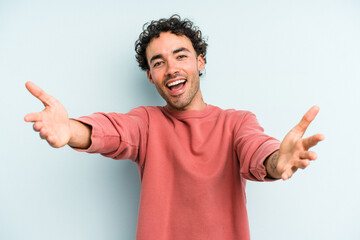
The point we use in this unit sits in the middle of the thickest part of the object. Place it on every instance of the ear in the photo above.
(149, 76)
(201, 62)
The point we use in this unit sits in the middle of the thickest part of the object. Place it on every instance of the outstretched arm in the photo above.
(53, 123)
(294, 150)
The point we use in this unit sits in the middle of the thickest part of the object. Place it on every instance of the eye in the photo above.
(182, 56)
(157, 63)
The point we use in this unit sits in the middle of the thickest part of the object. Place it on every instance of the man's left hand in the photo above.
(294, 150)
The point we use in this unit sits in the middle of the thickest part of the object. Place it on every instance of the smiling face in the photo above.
(174, 69)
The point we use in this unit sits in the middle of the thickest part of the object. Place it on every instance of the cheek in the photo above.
(156, 77)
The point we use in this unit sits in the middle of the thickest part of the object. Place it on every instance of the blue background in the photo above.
(275, 58)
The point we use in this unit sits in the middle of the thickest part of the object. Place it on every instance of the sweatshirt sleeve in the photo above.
(118, 136)
(252, 147)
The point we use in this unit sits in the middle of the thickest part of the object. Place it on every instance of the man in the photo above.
(193, 158)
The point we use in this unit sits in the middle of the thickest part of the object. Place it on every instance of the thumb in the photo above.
(306, 120)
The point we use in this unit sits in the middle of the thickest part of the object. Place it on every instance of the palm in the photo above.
(52, 122)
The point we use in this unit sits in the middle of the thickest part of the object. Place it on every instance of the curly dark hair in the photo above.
(175, 25)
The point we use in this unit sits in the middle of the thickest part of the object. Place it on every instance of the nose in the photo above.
(172, 67)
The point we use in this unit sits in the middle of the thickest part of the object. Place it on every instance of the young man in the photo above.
(193, 158)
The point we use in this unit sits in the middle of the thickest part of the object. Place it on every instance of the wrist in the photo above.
(271, 164)
(71, 129)
(80, 134)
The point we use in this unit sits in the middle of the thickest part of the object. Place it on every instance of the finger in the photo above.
(286, 175)
(33, 117)
(40, 94)
(43, 133)
(312, 141)
(37, 126)
(306, 120)
(302, 164)
(42, 136)
(52, 141)
(308, 155)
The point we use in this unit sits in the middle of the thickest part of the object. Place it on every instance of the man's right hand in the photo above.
(52, 123)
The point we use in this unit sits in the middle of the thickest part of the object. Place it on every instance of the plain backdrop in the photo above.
(275, 58)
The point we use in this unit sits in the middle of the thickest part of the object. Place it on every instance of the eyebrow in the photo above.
(180, 50)
(174, 52)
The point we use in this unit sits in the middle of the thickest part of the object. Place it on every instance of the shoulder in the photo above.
(238, 120)
(148, 112)
(233, 114)
(145, 110)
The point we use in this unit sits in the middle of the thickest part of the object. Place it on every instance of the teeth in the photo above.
(175, 83)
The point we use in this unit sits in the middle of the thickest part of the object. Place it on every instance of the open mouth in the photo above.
(177, 86)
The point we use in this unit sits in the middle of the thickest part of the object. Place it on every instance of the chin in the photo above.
(178, 106)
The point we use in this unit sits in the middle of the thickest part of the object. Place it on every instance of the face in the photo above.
(174, 70)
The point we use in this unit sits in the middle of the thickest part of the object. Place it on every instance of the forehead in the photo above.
(166, 43)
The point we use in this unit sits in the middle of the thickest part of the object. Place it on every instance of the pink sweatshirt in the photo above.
(192, 164)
